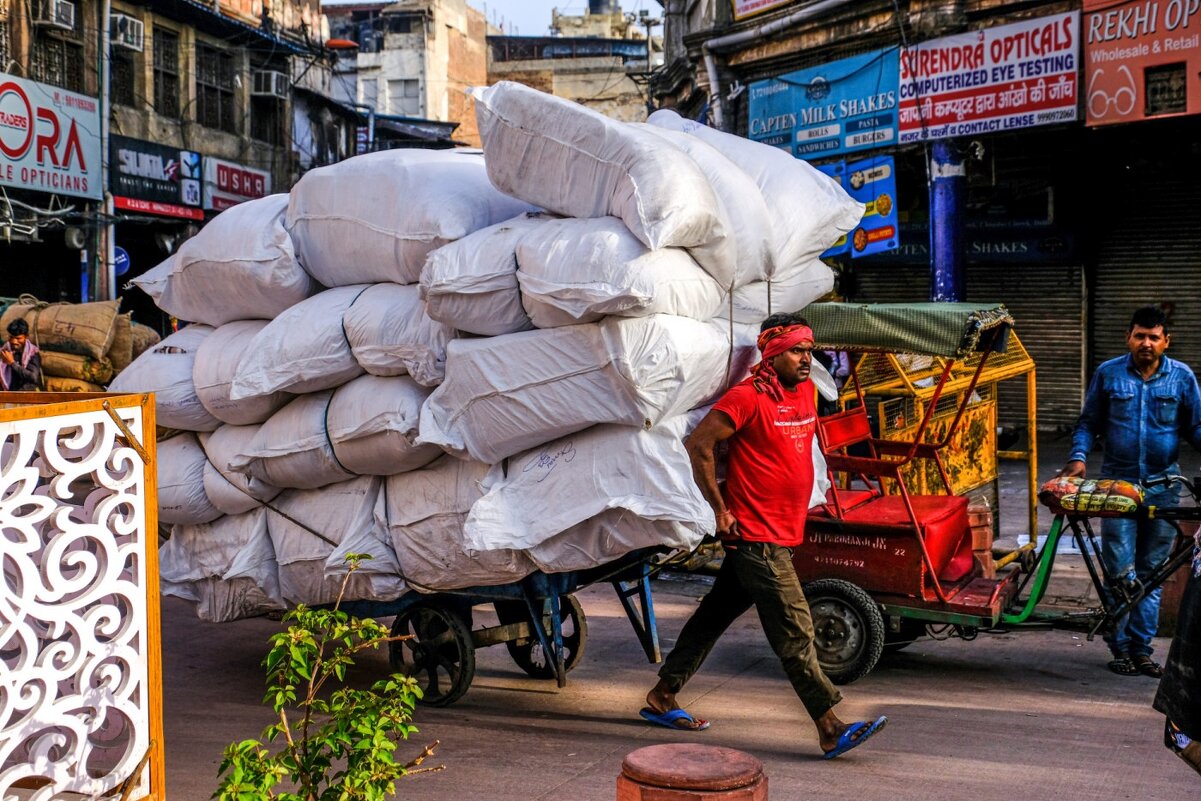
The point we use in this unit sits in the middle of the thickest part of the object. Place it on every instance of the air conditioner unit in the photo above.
(126, 31)
(269, 83)
(54, 13)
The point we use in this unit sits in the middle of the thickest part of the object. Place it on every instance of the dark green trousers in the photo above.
(762, 575)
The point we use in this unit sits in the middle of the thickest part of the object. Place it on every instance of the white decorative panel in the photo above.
(75, 689)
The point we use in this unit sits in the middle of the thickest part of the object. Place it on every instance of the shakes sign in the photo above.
(49, 139)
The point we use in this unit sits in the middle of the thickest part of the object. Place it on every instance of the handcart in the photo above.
(884, 564)
(541, 623)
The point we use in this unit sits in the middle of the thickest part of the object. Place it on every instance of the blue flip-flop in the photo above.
(672, 719)
(856, 734)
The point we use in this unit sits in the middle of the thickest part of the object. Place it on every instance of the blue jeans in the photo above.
(1134, 548)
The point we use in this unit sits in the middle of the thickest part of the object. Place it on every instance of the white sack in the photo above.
(166, 370)
(503, 395)
(579, 163)
(742, 204)
(292, 448)
(609, 535)
(217, 362)
(376, 217)
(233, 493)
(547, 490)
(809, 211)
(471, 284)
(372, 422)
(390, 334)
(578, 271)
(302, 350)
(787, 293)
(240, 266)
(324, 526)
(227, 567)
(425, 510)
(180, 464)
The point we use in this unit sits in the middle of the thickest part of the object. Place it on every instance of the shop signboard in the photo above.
(1000, 243)
(840, 107)
(996, 79)
(749, 8)
(148, 178)
(836, 170)
(227, 183)
(1141, 60)
(49, 139)
(873, 182)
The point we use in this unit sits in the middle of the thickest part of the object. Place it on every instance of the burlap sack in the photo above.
(72, 365)
(121, 351)
(84, 328)
(56, 383)
(143, 339)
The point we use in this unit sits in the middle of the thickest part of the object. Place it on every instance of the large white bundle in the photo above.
(787, 293)
(471, 284)
(507, 394)
(315, 532)
(742, 204)
(425, 510)
(376, 217)
(166, 370)
(372, 422)
(302, 350)
(292, 449)
(578, 271)
(180, 463)
(609, 535)
(548, 490)
(240, 266)
(390, 334)
(217, 363)
(227, 567)
(579, 163)
(742, 339)
(233, 493)
(808, 209)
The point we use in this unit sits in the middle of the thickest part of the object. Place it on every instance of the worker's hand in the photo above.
(727, 526)
(7, 356)
(1073, 469)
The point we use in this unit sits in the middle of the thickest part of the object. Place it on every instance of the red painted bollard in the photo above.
(688, 772)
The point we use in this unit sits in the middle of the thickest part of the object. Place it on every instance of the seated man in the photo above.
(20, 362)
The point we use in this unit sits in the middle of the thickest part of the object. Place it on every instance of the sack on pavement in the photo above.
(180, 462)
(216, 365)
(292, 448)
(166, 370)
(231, 492)
(372, 422)
(72, 365)
(84, 328)
(390, 334)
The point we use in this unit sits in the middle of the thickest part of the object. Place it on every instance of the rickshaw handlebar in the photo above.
(1191, 486)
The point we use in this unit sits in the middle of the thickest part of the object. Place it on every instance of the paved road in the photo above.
(1029, 716)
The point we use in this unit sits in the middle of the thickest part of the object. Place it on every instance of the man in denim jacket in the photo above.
(1140, 406)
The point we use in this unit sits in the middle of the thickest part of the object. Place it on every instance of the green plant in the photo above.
(335, 748)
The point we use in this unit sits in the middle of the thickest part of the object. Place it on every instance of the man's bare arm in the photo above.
(702, 446)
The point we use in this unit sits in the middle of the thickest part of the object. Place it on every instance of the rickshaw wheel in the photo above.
(848, 629)
(440, 653)
(528, 654)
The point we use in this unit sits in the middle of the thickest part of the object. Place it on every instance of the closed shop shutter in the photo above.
(1151, 255)
(1048, 304)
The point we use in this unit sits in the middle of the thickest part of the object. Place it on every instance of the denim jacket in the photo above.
(1140, 422)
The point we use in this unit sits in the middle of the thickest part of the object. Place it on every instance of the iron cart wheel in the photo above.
(848, 629)
(528, 653)
(439, 654)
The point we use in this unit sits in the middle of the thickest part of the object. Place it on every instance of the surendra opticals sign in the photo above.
(997, 79)
(840, 107)
(1142, 60)
(149, 178)
(49, 139)
(227, 183)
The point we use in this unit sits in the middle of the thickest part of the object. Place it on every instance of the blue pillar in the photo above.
(947, 188)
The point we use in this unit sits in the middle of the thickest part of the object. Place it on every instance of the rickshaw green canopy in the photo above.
(950, 330)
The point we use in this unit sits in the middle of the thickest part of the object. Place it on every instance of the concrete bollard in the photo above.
(688, 772)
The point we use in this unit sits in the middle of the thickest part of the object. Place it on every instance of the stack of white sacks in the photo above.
(402, 359)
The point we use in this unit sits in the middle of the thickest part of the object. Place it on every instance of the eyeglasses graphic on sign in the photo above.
(1121, 99)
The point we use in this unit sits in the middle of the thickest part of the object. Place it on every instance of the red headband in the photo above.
(775, 341)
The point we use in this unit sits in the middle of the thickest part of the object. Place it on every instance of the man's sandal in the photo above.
(1147, 666)
(1123, 666)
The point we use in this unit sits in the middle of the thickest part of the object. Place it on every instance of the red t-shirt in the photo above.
(769, 475)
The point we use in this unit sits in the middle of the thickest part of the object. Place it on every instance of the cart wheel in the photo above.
(911, 631)
(528, 654)
(440, 654)
(848, 628)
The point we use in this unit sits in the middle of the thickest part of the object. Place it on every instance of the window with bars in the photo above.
(215, 89)
(267, 120)
(166, 73)
(57, 61)
(121, 82)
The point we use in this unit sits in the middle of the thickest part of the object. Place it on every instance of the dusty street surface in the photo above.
(1029, 716)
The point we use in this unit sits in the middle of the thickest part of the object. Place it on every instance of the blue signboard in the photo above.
(120, 261)
(874, 182)
(836, 170)
(841, 107)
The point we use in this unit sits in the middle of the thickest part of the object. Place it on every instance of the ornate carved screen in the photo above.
(80, 689)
